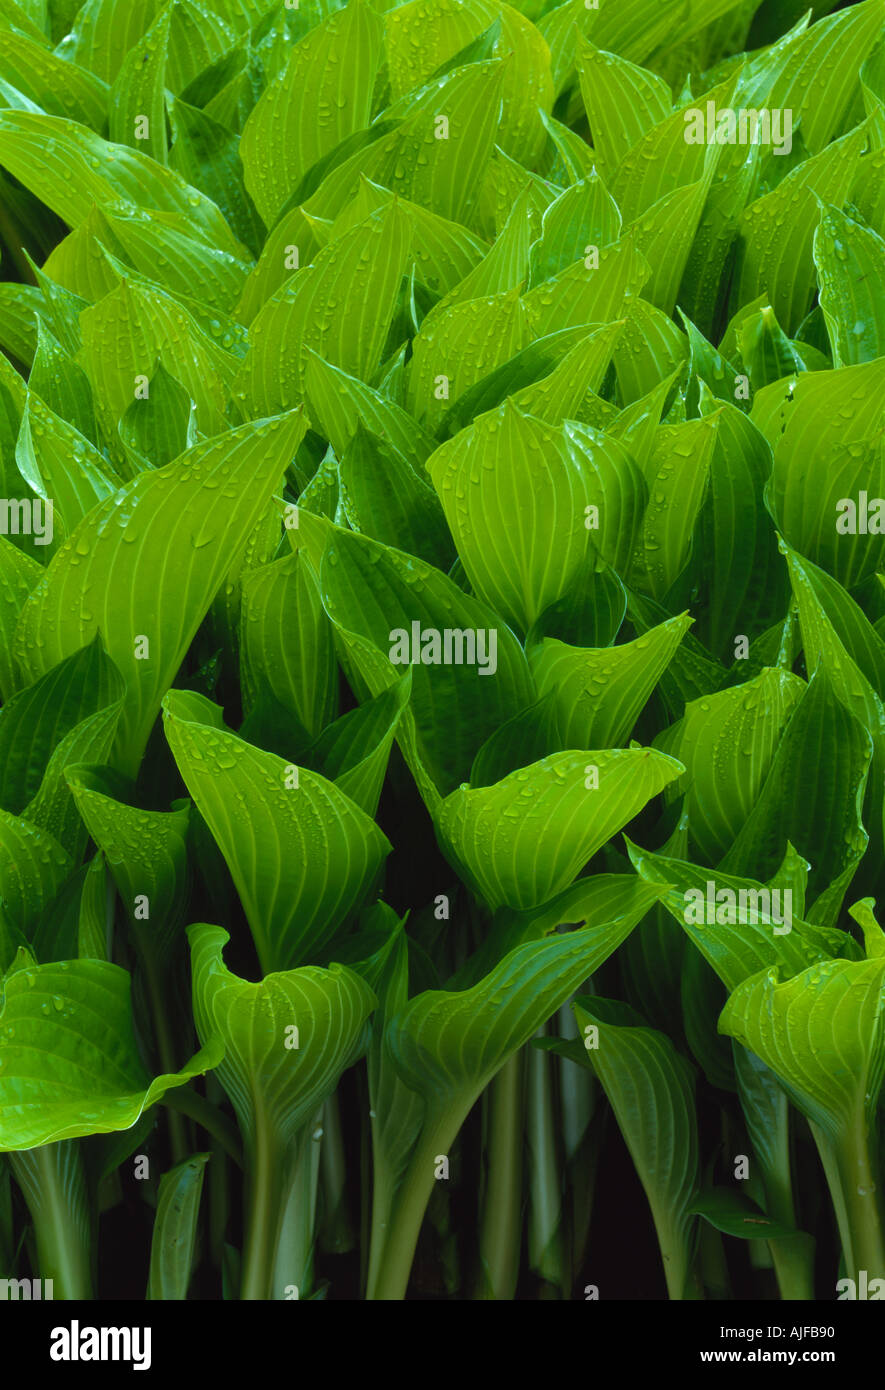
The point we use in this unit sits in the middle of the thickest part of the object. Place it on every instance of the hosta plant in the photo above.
(442, 648)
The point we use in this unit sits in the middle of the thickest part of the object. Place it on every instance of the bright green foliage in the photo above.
(442, 556)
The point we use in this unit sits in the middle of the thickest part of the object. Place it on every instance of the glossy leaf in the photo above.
(71, 1065)
(125, 541)
(312, 855)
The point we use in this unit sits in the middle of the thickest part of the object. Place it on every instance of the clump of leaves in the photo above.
(430, 450)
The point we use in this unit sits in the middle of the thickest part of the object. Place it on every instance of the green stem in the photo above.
(384, 1187)
(769, 1120)
(368, 1180)
(793, 1259)
(712, 1265)
(293, 1266)
(178, 1141)
(548, 1253)
(501, 1229)
(439, 1133)
(577, 1089)
(851, 1175)
(792, 1256)
(267, 1185)
(53, 1183)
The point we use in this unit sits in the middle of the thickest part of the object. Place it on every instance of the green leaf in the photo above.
(777, 230)
(34, 721)
(588, 293)
(505, 265)
(564, 392)
(397, 1111)
(173, 1242)
(768, 1119)
(103, 33)
(311, 857)
(377, 596)
(353, 752)
(812, 798)
(814, 74)
(837, 636)
(664, 235)
(526, 376)
(270, 1083)
(70, 168)
(623, 103)
(692, 673)
(653, 955)
(185, 266)
(63, 385)
(745, 930)
(590, 615)
(137, 114)
(598, 693)
(207, 154)
(128, 332)
(383, 497)
(359, 275)
(649, 350)
(339, 403)
(146, 852)
(527, 736)
(70, 1060)
(52, 808)
(79, 265)
(19, 575)
(571, 158)
(28, 16)
(727, 741)
(635, 31)
(766, 351)
(666, 158)
(651, 1089)
(286, 643)
(448, 1045)
(598, 901)
(421, 37)
(481, 477)
(616, 490)
(821, 1034)
(825, 430)
(524, 839)
(61, 467)
(850, 260)
(33, 869)
(585, 214)
(323, 95)
(441, 175)
(710, 260)
(59, 88)
(505, 181)
(744, 584)
(458, 346)
(678, 474)
(197, 40)
(167, 546)
(729, 1211)
(156, 428)
(20, 306)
